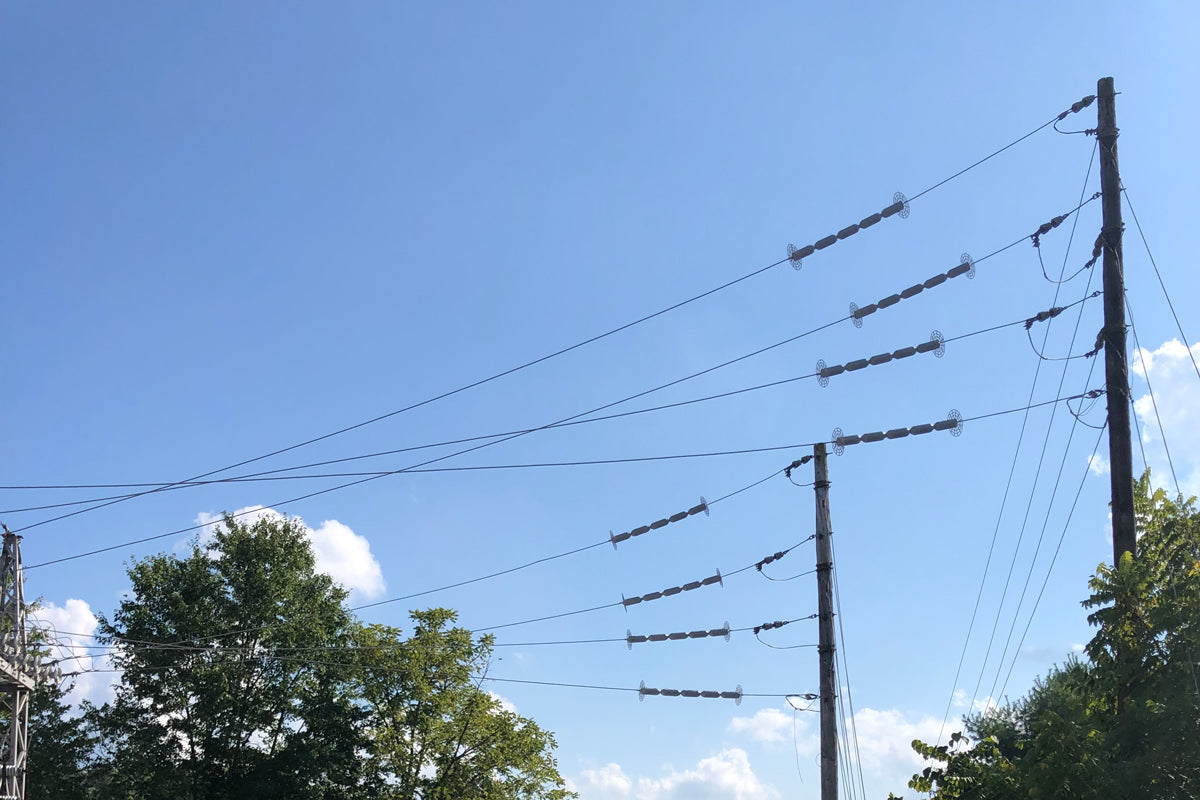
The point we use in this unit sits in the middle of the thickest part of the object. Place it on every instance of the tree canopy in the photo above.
(243, 674)
(1124, 721)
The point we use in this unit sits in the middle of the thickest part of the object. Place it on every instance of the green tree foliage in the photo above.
(436, 735)
(1125, 722)
(59, 748)
(244, 675)
(204, 708)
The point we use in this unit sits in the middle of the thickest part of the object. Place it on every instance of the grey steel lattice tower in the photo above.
(18, 671)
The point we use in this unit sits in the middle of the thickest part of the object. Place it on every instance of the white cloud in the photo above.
(885, 741)
(960, 701)
(69, 629)
(607, 783)
(724, 776)
(768, 725)
(340, 552)
(1098, 464)
(504, 703)
(1171, 373)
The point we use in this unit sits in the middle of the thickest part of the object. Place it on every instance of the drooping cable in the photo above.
(1186, 342)
(1007, 488)
(1037, 471)
(1149, 388)
(1054, 559)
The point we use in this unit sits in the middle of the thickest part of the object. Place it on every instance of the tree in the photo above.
(245, 675)
(436, 735)
(205, 707)
(59, 748)
(1123, 723)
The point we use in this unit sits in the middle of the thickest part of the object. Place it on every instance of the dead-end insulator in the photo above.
(953, 423)
(645, 691)
(631, 638)
(615, 539)
(672, 591)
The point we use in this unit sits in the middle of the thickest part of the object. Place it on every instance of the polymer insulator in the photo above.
(767, 626)
(657, 524)
(869, 221)
(961, 269)
(881, 358)
(645, 691)
(847, 231)
(631, 639)
(1076, 107)
(865, 311)
(804, 252)
(936, 280)
(928, 347)
(890, 300)
(821, 244)
(953, 424)
(892, 210)
(829, 372)
(674, 590)
(858, 364)
(904, 352)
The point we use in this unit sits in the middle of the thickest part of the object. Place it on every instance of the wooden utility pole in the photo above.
(1116, 370)
(825, 646)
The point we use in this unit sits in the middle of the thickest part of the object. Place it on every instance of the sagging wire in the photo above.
(1157, 274)
(1078, 415)
(966, 267)
(1075, 108)
(1146, 377)
(1011, 473)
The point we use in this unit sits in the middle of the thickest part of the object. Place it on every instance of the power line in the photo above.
(1074, 109)
(1038, 470)
(966, 267)
(496, 439)
(191, 528)
(899, 206)
(1011, 472)
(1186, 342)
(1038, 548)
(1146, 377)
(839, 621)
(1045, 581)
(272, 475)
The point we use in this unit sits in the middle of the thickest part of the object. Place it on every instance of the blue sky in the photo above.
(229, 228)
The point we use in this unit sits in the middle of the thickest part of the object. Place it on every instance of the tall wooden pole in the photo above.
(1120, 450)
(825, 647)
